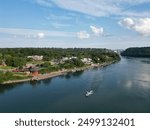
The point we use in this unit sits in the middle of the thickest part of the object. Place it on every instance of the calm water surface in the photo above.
(120, 87)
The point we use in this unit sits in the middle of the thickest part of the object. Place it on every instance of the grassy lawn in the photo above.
(9, 76)
(35, 62)
(6, 67)
(19, 74)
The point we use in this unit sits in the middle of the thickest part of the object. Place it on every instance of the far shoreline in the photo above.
(56, 73)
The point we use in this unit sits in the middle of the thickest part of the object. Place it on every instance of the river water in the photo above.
(120, 87)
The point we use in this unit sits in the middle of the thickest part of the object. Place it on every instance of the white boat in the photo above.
(88, 93)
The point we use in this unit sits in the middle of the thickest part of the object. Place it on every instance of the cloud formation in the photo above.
(100, 7)
(83, 35)
(142, 25)
(97, 31)
(40, 35)
(60, 25)
(29, 33)
(44, 3)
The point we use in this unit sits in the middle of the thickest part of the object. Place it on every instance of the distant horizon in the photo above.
(74, 47)
(81, 24)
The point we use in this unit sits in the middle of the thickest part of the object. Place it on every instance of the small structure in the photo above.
(36, 57)
(73, 57)
(34, 71)
(55, 62)
(30, 65)
(87, 60)
(67, 58)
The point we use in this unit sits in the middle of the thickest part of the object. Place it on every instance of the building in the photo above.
(55, 62)
(30, 65)
(73, 57)
(36, 57)
(65, 58)
(87, 60)
(34, 71)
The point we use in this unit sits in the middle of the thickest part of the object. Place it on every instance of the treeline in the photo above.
(137, 52)
(17, 57)
(51, 53)
(54, 59)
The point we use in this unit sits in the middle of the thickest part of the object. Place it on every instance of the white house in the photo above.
(87, 60)
(36, 57)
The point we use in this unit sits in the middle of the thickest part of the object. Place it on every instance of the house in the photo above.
(30, 65)
(55, 62)
(73, 57)
(87, 60)
(65, 58)
(36, 57)
(34, 71)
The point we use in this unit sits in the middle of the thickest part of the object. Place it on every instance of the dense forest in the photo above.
(137, 52)
(18, 56)
(20, 63)
(54, 52)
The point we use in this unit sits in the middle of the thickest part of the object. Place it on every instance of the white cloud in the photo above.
(59, 17)
(135, 14)
(44, 2)
(60, 25)
(29, 33)
(142, 25)
(127, 22)
(100, 7)
(90, 7)
(97, 31)
(83, 35)
(40, 35)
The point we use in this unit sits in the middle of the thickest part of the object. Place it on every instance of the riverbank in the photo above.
(57, 73)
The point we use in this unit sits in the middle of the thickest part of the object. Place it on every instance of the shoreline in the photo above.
(57, 73)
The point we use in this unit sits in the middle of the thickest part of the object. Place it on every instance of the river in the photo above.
(120, 87)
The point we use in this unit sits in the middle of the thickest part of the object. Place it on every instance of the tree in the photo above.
(77, 62)
(103, 58)
(9, 60)
(57, 54)
(46, 64)
(18, 62)
(137, 52)
(1, 58)
(14, 61)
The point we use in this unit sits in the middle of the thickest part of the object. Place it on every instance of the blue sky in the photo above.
(114, 24)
